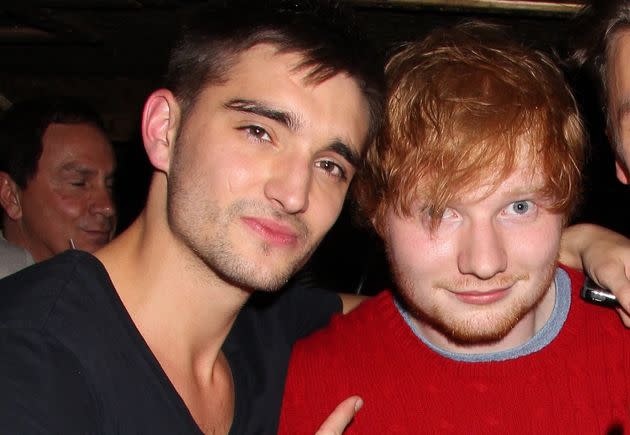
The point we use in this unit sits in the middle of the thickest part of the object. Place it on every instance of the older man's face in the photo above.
(69, 198)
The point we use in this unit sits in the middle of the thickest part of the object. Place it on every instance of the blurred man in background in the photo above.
(56, 175)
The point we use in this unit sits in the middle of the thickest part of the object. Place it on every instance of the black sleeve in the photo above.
(309, 309)
(42, 388)
(258, 349)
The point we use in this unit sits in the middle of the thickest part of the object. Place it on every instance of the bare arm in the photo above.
(604, 256)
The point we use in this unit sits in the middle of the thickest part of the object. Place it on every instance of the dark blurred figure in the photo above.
(605, 51)
(56, 174)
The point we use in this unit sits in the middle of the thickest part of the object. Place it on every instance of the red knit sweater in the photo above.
(578, 384)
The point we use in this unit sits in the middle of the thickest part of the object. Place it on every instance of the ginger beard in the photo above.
(478, 324)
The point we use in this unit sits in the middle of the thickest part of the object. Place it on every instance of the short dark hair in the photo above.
(595, 28)
(23, 125)
(320, 31)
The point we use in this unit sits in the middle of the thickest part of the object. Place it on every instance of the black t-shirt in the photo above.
(72, 361)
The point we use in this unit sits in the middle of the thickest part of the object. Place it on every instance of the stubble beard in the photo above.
(189, 217)
(485, 326)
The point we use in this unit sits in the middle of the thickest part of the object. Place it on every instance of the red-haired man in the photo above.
(477, 174)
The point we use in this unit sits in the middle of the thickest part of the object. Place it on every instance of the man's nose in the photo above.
(289, 185)
(482, 250)
(101, 202)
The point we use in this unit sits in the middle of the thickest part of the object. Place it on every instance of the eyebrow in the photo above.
(74, 167)
(291, 121)
(288, 119)
(345, 151)
(531, 190)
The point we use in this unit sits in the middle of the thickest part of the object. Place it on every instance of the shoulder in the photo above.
(31, 297)
(13, 258)
(42, 384)
(323, 366)
(575, 276)
(344, 338)
(597, 326)
(295, 311)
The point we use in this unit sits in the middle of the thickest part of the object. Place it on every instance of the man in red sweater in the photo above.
(477, 174)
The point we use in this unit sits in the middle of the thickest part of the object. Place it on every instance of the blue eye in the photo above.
(520, 207)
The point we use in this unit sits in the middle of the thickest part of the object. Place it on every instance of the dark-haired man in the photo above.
(56, 174)
(173, 327)
(254, 144)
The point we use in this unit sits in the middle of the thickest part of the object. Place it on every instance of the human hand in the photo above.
(604, 256)
(341, 417)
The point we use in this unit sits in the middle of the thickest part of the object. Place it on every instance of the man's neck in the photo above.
(183, 311)
(175, 300)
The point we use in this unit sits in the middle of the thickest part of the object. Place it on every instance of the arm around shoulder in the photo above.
(603, 255)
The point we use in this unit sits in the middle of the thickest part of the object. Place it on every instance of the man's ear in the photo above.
(622, 171)
(10, 196)
(160, 121)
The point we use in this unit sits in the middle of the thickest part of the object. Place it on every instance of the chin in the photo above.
(471, 333)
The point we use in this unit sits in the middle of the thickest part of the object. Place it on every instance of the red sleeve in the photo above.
(324, 367)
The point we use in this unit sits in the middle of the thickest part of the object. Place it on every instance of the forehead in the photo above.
(618, 59)
(619, 44)
(618, 78)
(523, 180)
(337, 106)
(83, 142)
(499, 175)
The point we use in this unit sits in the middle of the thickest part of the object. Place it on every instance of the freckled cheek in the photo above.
(537, 247)
(411, 246)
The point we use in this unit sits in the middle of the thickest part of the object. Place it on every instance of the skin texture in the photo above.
(481, 281)
(69, 196)
(619, 100)
(277, 185)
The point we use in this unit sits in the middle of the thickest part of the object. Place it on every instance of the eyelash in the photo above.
(255, 131)
(342, 172)
(531, 207)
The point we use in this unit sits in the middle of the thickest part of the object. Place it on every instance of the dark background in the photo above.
(113, 53)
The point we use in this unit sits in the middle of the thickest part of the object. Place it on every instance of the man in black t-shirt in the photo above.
(254, 141)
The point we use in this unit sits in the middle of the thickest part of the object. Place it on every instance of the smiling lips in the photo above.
(271, 231)
(482, 297)
(98, 236)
